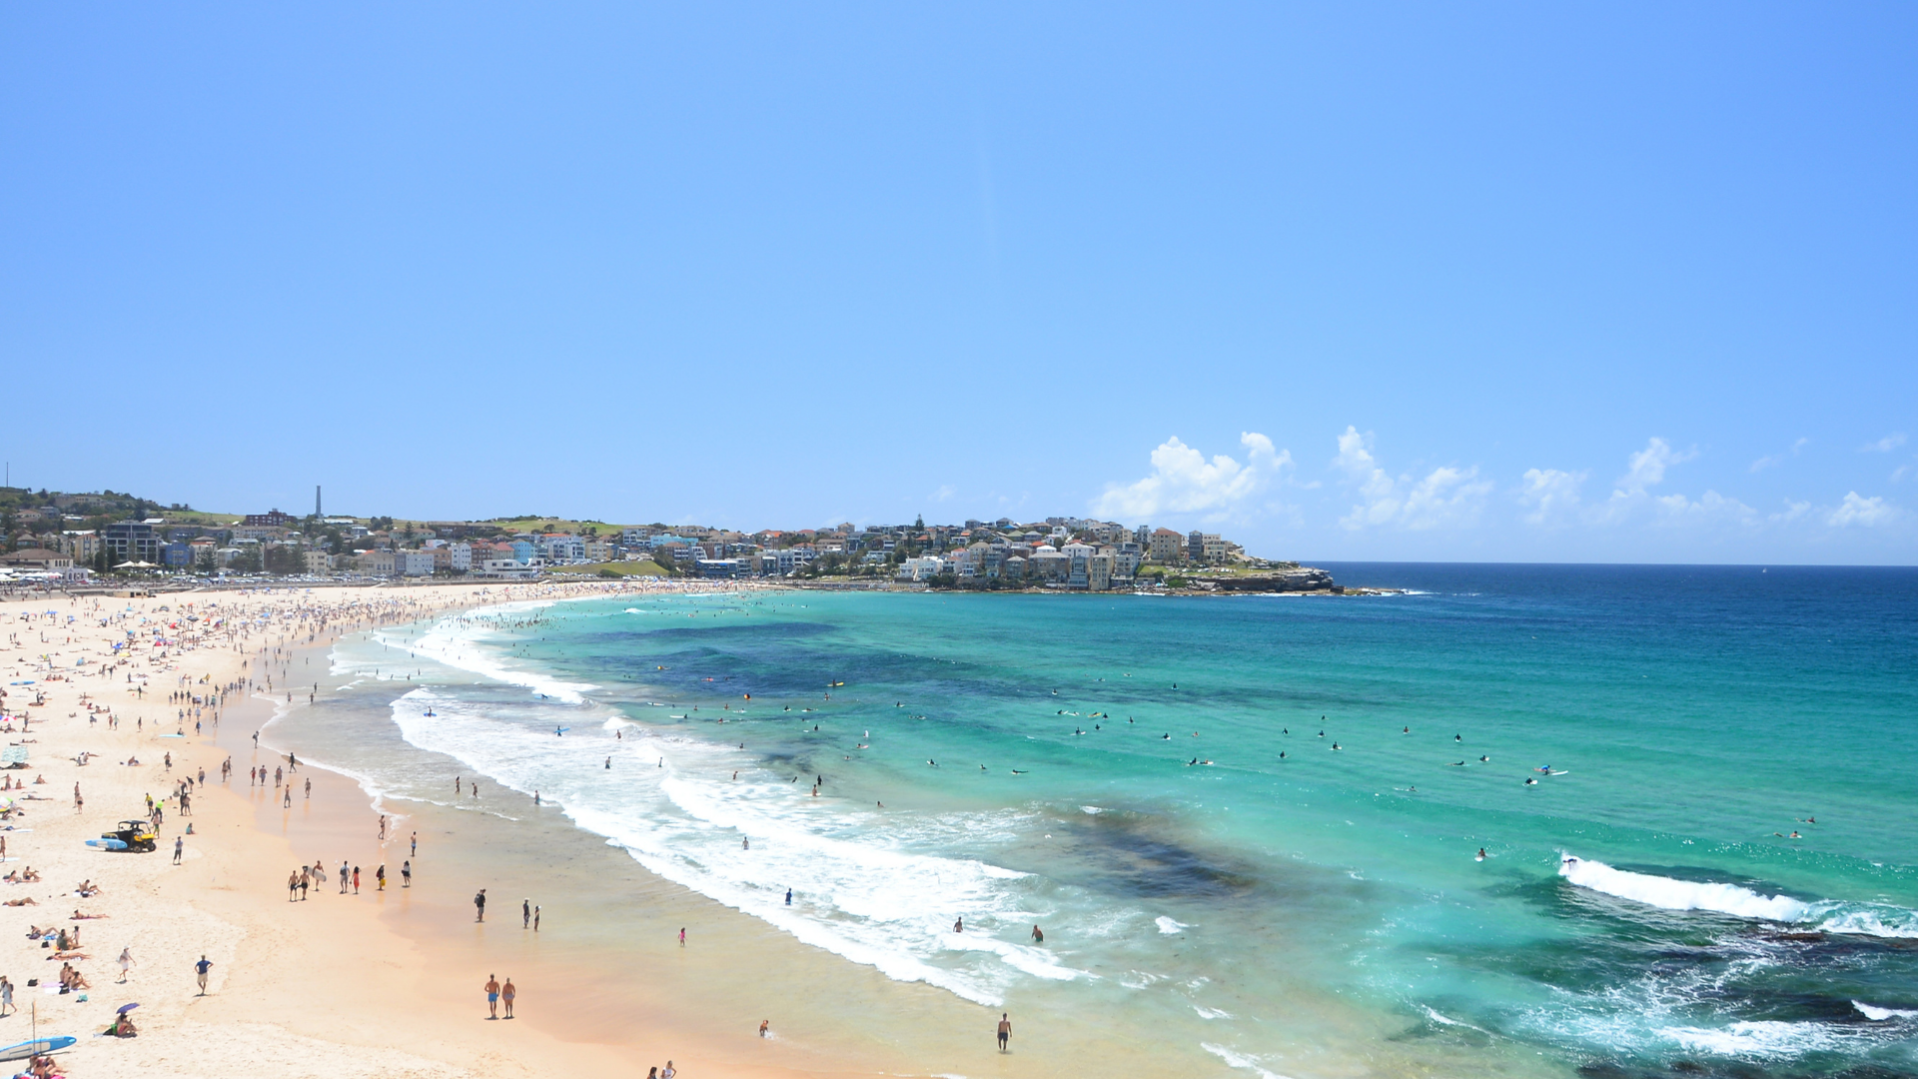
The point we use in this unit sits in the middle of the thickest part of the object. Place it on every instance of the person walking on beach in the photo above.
(506, 994)
(6, 996)
(356, 880)
(406, 874)
(479, 905)
(179, 845)
(536, 917)
(415, 852)
(343, 878)
(379, 876)
(79, 803)
(1005, 1030)
(199, 971)
(526, 914)
(492, 997)
(126, 962)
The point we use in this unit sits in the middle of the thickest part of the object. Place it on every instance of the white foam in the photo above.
(862, 889)
(1766, 1038)
(1211, 1013)
(1831, 916)
(1879, 1015)
(1680, 894)
(458, 642)
(1167, 925)
(1240, 1060)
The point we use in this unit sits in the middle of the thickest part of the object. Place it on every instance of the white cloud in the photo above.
(1779, 458)
(1551, 495)
(1711, 508)
(1883, 445)
(1792, 512)
(1183, 481)
(944, 493)
(1446, 496)
(1860, 511)
(1898, 474)
(1649, 464)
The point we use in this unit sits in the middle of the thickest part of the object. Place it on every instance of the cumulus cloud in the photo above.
(1883, 445)
(1550, 495)
(1766, 462)
(1863, 512)
(1649, 464)
(1792, 512)
(1710, 508)
(1445, 496)
(1183, 481)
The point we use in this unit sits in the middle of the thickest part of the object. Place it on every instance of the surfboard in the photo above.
(104, 844)
(23, 1050)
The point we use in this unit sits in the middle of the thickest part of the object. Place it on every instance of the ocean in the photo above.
(1535, 820)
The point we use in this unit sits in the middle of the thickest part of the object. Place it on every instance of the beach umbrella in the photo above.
(125, 1008)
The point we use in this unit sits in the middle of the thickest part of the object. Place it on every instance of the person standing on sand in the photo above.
(406, 874)
(343, 878)
(526, 914)
(126, 962)
(379, 875)
(199, 970)
(682, 936)
(479, 905)
(506, 994)
(6, 995)
(536, 917)
(668, 1073)
(492, 997)
(356, 880)
(179, 845)
(1005, 1030)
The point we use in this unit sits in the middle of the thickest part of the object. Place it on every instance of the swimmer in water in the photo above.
(1281, 754)
(1458, 738)
(1531, 782)
(1335, 745)
(1485, 758)
(1481, 854)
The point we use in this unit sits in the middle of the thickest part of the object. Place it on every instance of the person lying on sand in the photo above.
(27, 902)
(79, 917)
(88, 889)
(69, 955)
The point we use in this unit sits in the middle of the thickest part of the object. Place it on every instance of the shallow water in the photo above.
(1110, 769)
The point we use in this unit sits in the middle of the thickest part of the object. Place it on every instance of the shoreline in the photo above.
(293, 989)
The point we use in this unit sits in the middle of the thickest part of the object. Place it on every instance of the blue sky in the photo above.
(1527, 282)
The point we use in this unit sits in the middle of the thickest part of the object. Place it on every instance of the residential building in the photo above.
(510, 568)
(176, 555)
(1165, 546)
(635, 537)
(273, 519)
(1099, 573)
(318, 562)
(37, 558)
(375, 563)
(599, 551)
(82, 546)
(459, 557)
(413, 563)
(131, 541)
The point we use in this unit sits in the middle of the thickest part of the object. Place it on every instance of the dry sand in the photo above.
(313, 988)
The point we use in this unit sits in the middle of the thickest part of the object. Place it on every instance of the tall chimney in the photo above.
(316, 501)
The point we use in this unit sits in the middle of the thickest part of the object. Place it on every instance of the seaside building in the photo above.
(318, 562)
(375, 563)
(1165, 547)
(131, 541)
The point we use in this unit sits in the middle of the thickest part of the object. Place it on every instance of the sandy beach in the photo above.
(325, 986)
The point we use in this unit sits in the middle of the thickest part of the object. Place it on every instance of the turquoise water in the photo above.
(1155, 783)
